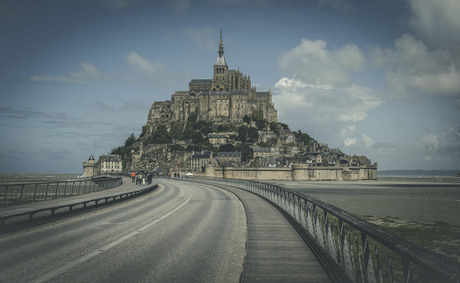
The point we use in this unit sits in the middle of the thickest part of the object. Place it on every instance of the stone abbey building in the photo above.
(224, 99)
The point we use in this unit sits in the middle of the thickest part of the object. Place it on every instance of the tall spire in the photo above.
(221, 59)
(221, 43)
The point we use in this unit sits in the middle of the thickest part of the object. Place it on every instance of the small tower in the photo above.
(220, 80)
(88, 168)
(91, 160)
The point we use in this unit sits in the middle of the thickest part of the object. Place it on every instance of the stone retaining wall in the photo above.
(298, 172)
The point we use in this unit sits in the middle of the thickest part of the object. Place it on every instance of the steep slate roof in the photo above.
(202, 155)
(109, 158)
(200, 82)
(262, 94)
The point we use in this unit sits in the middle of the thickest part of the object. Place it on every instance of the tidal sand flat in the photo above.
(423, 210)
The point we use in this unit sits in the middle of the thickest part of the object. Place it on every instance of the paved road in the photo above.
(182, 232)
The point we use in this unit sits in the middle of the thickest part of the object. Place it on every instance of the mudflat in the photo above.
(408, 200)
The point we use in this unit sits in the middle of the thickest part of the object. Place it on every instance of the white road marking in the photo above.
(64, 268)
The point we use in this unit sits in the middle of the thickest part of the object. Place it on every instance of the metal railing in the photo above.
(19, 193)
(363, 251)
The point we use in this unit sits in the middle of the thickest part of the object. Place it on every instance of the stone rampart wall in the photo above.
(297, 172)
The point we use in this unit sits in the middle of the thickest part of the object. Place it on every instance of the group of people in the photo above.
(141, 178)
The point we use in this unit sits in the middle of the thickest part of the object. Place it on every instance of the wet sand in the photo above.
(407, 200)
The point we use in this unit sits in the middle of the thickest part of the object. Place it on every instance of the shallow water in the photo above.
(35, 177)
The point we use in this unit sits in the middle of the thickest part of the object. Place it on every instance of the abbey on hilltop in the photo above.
(226, 98)
(223, 127)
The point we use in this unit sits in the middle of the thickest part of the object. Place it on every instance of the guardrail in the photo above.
(363, 251)
(19, 193)
(70, 204)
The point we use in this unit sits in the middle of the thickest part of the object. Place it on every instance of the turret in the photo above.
(91, 160)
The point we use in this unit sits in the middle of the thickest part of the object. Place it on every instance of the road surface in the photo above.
(182, 232)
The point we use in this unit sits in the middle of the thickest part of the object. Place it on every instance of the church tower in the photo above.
(220, 79)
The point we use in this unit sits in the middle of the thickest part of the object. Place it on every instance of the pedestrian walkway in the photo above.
(275, 251)
(126, 186)
(22, 212)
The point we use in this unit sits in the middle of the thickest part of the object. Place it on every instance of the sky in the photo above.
(376, 78)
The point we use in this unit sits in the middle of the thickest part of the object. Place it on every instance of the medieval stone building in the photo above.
(224, 99)
(107, 164)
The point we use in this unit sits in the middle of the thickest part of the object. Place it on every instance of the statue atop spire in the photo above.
(221, 59)
(221, 43)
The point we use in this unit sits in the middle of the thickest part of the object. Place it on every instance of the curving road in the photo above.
(182, 232)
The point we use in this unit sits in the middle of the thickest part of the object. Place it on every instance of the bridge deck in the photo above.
(275, 251)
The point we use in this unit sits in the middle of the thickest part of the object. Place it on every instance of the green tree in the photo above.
(243, 133)
(197, 137)
(284, 126)
(274, 128)
(303, 137)
(176, 147)
(161, 136)
(130, 140)
(222, 128)
(253, 134)
(227, 148)
(246, 151)
(258, 117)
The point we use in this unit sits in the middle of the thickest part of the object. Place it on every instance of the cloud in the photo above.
(100, 106)
(442, 148)
(87, 73)
(312, 62)
(320, 96)
(139, 69)
(140, 63)
(354, 117)
(49, 118)
(431, 142)
(433, 150)
(367, 141)
(430, 62)
(437, 23)
(349, 142)
(411, 66)
(27, 113)
(204, 37)
(326, 112)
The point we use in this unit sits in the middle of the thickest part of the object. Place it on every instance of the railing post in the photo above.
(407, 270)
(358, 254)
(56, 191)
(20, 195)
(46, 191)
(35, 192)
(4, 195)
(65, 188)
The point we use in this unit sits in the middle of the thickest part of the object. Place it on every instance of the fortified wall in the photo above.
(298, 172)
